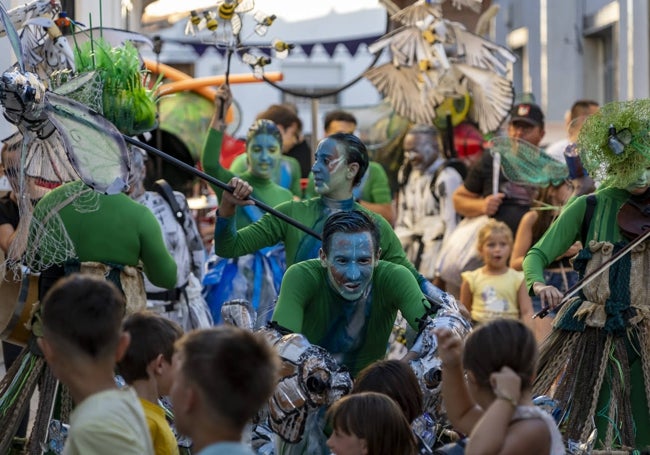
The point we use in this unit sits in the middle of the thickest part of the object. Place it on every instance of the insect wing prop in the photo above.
(14, 39)
(94, 145)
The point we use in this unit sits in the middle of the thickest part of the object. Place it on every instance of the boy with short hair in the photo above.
(82, 340)
(147, 367)
(222, 377)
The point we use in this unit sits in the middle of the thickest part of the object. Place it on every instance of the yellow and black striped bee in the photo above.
(229, 10)
(257, 62)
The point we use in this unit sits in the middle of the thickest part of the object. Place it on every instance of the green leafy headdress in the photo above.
(615, 142)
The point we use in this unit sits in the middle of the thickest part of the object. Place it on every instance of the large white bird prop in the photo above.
(434, 59)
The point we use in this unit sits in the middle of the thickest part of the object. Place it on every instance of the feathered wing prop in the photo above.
(406, 45)
(403, 87)
(434, 59)
(475, 50)
(418, 12)
(492, 96)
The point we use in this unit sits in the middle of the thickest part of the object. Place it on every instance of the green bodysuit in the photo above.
(606, 322)
(264, 190)
(269, 230)
(308, 305)
(112, 229)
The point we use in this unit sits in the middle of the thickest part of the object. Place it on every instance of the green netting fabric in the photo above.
(602, 163)
(49, 241)
(526, 164)
(86, 88)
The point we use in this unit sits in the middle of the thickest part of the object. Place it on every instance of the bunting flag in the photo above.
(352, 45)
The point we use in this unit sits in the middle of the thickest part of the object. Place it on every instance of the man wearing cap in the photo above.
(474, 197)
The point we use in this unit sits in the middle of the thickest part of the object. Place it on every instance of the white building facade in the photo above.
(572, 49)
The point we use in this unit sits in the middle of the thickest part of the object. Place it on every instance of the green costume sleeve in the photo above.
(567, 229)
(377, 189)
(557, 239)
(159, 265)
(230, 242)
(406, 291)
(210, 156)
(298, 289)
(239, 165)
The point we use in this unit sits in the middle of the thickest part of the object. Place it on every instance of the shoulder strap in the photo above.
(586, 220)
(451, 162)
(165, 190)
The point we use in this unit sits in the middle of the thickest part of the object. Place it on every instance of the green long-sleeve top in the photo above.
(307, 304)
(566, 230)
(104, 228)
(263, 189)
(300, 246)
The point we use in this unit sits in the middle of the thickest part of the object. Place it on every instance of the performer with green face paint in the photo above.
(599, 350)
(255, 276)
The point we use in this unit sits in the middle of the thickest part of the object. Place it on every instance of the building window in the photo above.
(601, 63)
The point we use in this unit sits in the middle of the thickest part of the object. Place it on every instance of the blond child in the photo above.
(147, 367)
(81, 342)
(495, 290)
(487, 390)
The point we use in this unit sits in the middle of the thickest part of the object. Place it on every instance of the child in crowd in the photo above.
(493, 402)
(495, 290)
(222, 377)
(147, 367)
(396, 379)
(369, 423)
(82, 339)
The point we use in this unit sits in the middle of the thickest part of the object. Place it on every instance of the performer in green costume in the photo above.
(340, 163)
(254, 277)
(347, 301)
(74, 223)
(596, 360)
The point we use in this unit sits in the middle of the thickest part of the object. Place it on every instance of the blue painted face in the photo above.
(330, 171)
(264, 153)
(350, 263)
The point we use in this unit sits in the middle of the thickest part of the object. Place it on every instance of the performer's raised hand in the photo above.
(450, 347)
(222, 102)
(239, 196)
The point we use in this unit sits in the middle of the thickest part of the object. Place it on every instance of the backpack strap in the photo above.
(165, 190)
(586, 219)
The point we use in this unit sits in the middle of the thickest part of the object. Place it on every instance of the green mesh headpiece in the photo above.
(615, 156)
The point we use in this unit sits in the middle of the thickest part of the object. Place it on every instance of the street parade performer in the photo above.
(254, 277)
(595, 363)
(87, 224)
(340, 162)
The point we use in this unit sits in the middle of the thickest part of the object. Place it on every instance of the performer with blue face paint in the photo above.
(256, 276)
(340, 163)
(347, 300)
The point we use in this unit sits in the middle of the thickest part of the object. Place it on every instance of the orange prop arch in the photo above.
(200, 85)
